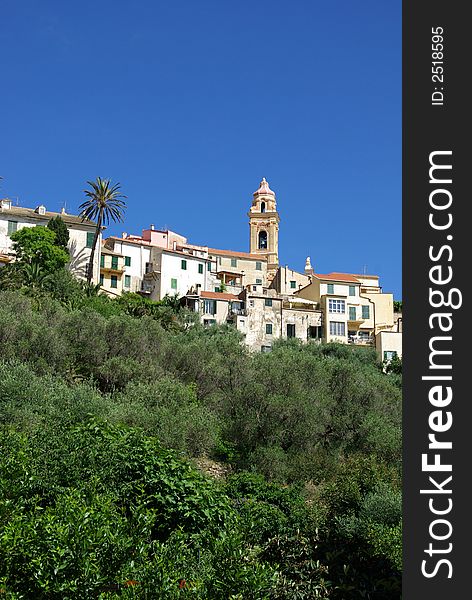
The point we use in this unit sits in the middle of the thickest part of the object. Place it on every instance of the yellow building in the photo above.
(113, 281)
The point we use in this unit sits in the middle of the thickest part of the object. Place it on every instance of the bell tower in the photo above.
(264, 227)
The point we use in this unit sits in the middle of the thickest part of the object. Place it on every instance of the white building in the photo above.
(81, 234)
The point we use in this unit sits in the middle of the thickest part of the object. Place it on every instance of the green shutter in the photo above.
(173, 284)
(114, 281)
(102, 260)
(127, 261)
(90, 238)
(365, 312)
(200, 268)
(183, 264)
(114, 262)
(330, 288)
(127, 281)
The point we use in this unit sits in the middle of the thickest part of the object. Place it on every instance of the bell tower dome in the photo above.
(264, 227)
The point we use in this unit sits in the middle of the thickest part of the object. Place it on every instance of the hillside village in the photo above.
(251, 290)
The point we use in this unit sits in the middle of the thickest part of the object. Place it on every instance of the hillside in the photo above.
(107, 408)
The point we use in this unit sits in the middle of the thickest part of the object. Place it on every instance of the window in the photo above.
(114, 262)
(263, 206)
(269, 328)
(183, 264)
(12, 227)
(290, 330)
(293, 285)
(114, 281)
(262, 245)
(101, 279)
(217, 290)
(127, 261)
(127, 281)
(251, 303)
(268, 302)
(208, 322)
(90, 238)
(234, 262)
(266, 348)
(337, 306)
(258, 266)
(315, 332)
(330, 288)
(200, 268)
(337, 328)
(102, 260)
(352, 313)
(390, 354)
(209, 307)
(173, 284)
(258, 281)
(366, 312)
(352, 290)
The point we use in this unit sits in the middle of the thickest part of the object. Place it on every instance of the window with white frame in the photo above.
(209, 307)
(336, 306)
(337, 328)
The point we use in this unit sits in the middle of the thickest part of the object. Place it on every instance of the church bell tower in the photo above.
(264, 227)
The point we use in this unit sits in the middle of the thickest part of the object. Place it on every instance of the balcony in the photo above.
(361, 341)
(240, 312)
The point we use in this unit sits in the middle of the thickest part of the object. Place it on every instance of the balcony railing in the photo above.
(367, 341)
(240, 312)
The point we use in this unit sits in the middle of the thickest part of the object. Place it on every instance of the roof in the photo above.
(366, 276)
(128, 240)
(106, 250)
(218, 296)
(237, 254)
(264, 188)
(337, 277)
(30, 213)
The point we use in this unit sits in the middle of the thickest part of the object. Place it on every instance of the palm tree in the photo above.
(104, 204)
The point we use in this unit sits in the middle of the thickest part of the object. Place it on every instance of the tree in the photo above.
(36, 245)
(104, 204)
(57, 225)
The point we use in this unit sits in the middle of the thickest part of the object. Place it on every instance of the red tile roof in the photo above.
(337, 277)
(240, 254)
(218, 296)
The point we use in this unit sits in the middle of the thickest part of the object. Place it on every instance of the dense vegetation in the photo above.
(109, 409)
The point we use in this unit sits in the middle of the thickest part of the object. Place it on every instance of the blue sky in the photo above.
(188, 104)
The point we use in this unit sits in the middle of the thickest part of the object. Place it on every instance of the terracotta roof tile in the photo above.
(218, 296)
(337, 277)
(236, 254)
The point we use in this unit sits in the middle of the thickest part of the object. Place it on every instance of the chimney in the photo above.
(5, 203)
(124, 235)
(152, 227)
(41, 209)
(63, 211)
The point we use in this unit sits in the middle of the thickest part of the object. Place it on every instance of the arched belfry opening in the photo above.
(263, 207)
(262, 245)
